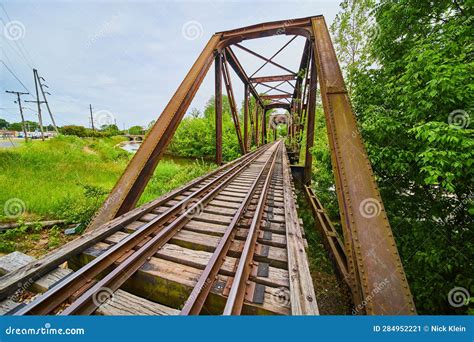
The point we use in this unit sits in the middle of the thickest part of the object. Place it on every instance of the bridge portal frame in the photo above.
(376, 275)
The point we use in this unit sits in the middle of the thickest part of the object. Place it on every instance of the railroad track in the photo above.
(228, 243)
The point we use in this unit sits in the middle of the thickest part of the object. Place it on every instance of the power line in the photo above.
(18, 42)
(18, 94)
(18, 49)
(14, 75)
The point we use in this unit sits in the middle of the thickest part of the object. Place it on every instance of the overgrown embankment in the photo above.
(68, 178)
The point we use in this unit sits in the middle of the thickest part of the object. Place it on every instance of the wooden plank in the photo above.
(199, 259)
(123, 303)
(37, 268)
(15, 261)
(303, 298)
(170, 284)
(203, 242)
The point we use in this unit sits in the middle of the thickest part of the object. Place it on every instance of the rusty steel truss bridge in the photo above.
(231, 242)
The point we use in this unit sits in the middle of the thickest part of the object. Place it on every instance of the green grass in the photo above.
(69, 177)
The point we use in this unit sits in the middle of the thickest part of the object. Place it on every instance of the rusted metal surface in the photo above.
(236, 296)
(372, 257)
(233, 106)
(239, 70)
(308, 162)
(201, 290)
(275, 96)
(159, 230)
(300, 26)
(368, 235)
(246, 117)
(331, 239)
(277, 78)
(218, 106)
(275, 105)
(270, 60)
(267, 60)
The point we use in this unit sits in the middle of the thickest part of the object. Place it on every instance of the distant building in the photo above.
(4, 134)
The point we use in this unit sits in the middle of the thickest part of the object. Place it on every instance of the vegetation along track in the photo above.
(228, 243)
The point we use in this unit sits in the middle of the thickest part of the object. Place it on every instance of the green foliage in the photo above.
(136, 130)
(413, 95)
(350, 29)
(30, 126)
(110, 130)
(80, 131)
(9, 238)
(68, 178)
(195, 136)
(4, 124)
(47, 176)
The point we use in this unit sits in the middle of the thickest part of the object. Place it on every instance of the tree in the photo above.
(110, 129)
(4, 124)
(195, 113)
(136, 130)
(413, 102)
(195, 136)
(351, 30)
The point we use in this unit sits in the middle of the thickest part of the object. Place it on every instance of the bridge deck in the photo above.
(247, 230)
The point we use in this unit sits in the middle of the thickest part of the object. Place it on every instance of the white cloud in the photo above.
(129, 57)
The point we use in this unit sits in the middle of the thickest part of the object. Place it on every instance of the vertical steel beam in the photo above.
(246, 116)
(264, 126)
(257, 137)
(253, 114)
(233, 106)
(374, 260)
(133, 181)
(311, 108)
(218, 106)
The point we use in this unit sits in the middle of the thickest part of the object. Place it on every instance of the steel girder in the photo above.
(379, 285)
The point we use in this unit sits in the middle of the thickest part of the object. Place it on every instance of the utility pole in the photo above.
(92, 118)
(38, 102)
(18, 94)
(41, 85)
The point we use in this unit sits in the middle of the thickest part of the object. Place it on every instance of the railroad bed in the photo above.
(227, 243)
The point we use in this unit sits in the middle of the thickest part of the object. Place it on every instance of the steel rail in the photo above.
(198, 296)
(60, 293)
(87, 304)
(236, 297)
(38, 268)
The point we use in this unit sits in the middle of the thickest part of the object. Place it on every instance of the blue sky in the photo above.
(125, 57)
